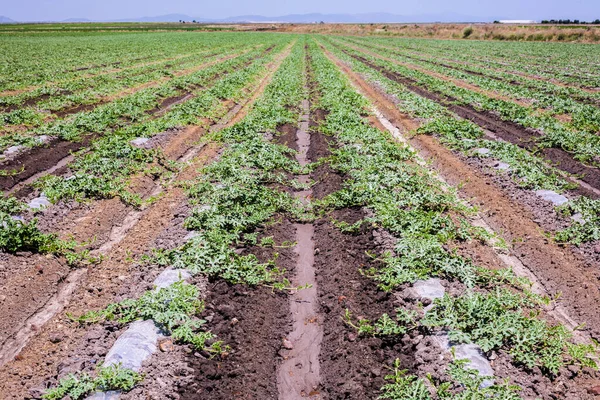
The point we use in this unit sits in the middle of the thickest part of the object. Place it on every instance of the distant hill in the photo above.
(164, 18)
(76, 20)
(6, 20)
(299, 18)
(357, 18)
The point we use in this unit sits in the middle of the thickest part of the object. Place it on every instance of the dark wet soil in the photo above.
(506, 130)
(351, 367)
(253, 321)
(38, 159)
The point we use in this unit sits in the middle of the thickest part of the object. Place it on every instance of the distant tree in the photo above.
(468, 31)
(497, 22)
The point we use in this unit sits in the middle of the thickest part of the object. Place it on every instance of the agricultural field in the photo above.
(262, 215)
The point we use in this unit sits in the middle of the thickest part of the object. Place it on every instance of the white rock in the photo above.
(429, 289)
(552, 196)
(139, 142)
(134, 346)
(190, 235)
(13, 149)
(477, 361)
(502, 166)
(170, 276)
(578, 218)
(112, 395)
(483, 151)
(39, 202)
(471, 352)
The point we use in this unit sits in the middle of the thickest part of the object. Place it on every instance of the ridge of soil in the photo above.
(507, 130)
(557, 268)
(38, 159)
(253, 321)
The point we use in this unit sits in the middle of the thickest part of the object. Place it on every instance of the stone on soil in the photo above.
(502, 166)
(169, 277)
(139, 142)
(39, 202)
(13, 150)
(112, 395)
(429, 289)
(134, 346)
(552, 196)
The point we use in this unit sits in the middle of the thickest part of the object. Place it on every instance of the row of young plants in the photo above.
(547, 86)
(136, 107)
(584, 146)
(105, 170)
(572, 64)
(496, 310)
(56, 95)
(526, 170)
(17, 234)
(29, 60)
(89, 92)
(231, 198)
(20, 118)
(582, 117)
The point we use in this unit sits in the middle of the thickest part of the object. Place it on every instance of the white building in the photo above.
(517, 21)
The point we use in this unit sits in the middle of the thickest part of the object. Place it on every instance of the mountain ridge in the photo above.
(376, 17)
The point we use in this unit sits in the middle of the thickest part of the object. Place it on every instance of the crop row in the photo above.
(583, 145)
(106, 169)
(494, 309)
(526, 169)
(95, 92)
(53, 97)
(551, 87)
(564, 63)
(135, 107)
(582, 117)
(231, 198)
(27, 61)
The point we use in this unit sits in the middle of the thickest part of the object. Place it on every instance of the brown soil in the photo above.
(506, 130)
(253, 321)
(351, 367)
(37, 160)
(99, 286)
(557, 268)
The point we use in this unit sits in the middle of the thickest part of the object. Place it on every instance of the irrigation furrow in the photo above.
(299, 372)
(506, 130)
(557, 270)
(39, 160)
(152, 215)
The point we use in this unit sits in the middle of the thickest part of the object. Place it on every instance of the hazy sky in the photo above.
(28, 10)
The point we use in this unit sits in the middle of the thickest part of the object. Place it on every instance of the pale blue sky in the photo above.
(28, 10)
